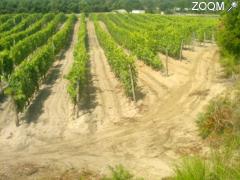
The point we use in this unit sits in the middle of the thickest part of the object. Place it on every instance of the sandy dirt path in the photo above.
(112, 132)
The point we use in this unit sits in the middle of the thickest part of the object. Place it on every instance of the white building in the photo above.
(177, 9)
(138, 11)
(122, 11)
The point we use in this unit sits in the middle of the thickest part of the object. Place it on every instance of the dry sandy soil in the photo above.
(147, 137)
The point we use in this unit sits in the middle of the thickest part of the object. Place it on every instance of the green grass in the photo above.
(120, 173)
(221, 165)
(191, 168)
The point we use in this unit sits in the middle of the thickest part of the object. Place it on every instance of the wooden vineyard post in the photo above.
(14, 42)
(132, 83)
(77, 99)
(74, 110)
(167, 61)
(14, 61)
(204, 38)
(17, 122)
(181, 50)
(53, 48)
(213, 39)
(193, 41)
(1, 86)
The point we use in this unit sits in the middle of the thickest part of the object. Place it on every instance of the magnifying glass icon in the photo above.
(233, 5)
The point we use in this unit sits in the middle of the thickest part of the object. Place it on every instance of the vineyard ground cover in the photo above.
(8, 41)
(139, 44)
(23, 50)
(12, 22)
(4, 18)
(169, 33)
(146, 139)
(25, 23)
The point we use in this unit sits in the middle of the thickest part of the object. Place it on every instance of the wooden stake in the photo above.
(77, 99)
(16, 112)
(132, 83)
(167, 61)
(1, 86)
(53, 48)
(193, 41)
(181, 50)
(213, 39)
(74, 112)
(204, 38)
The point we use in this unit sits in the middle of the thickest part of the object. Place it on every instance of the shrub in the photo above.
(217, 118)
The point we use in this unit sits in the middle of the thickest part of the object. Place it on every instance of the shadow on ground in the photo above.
(36, 108)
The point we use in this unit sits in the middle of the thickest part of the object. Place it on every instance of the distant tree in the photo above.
(67, 6)
(73, 6)
(84, 7)
(166, 5)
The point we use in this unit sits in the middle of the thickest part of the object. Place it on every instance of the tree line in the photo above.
(78, 6)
